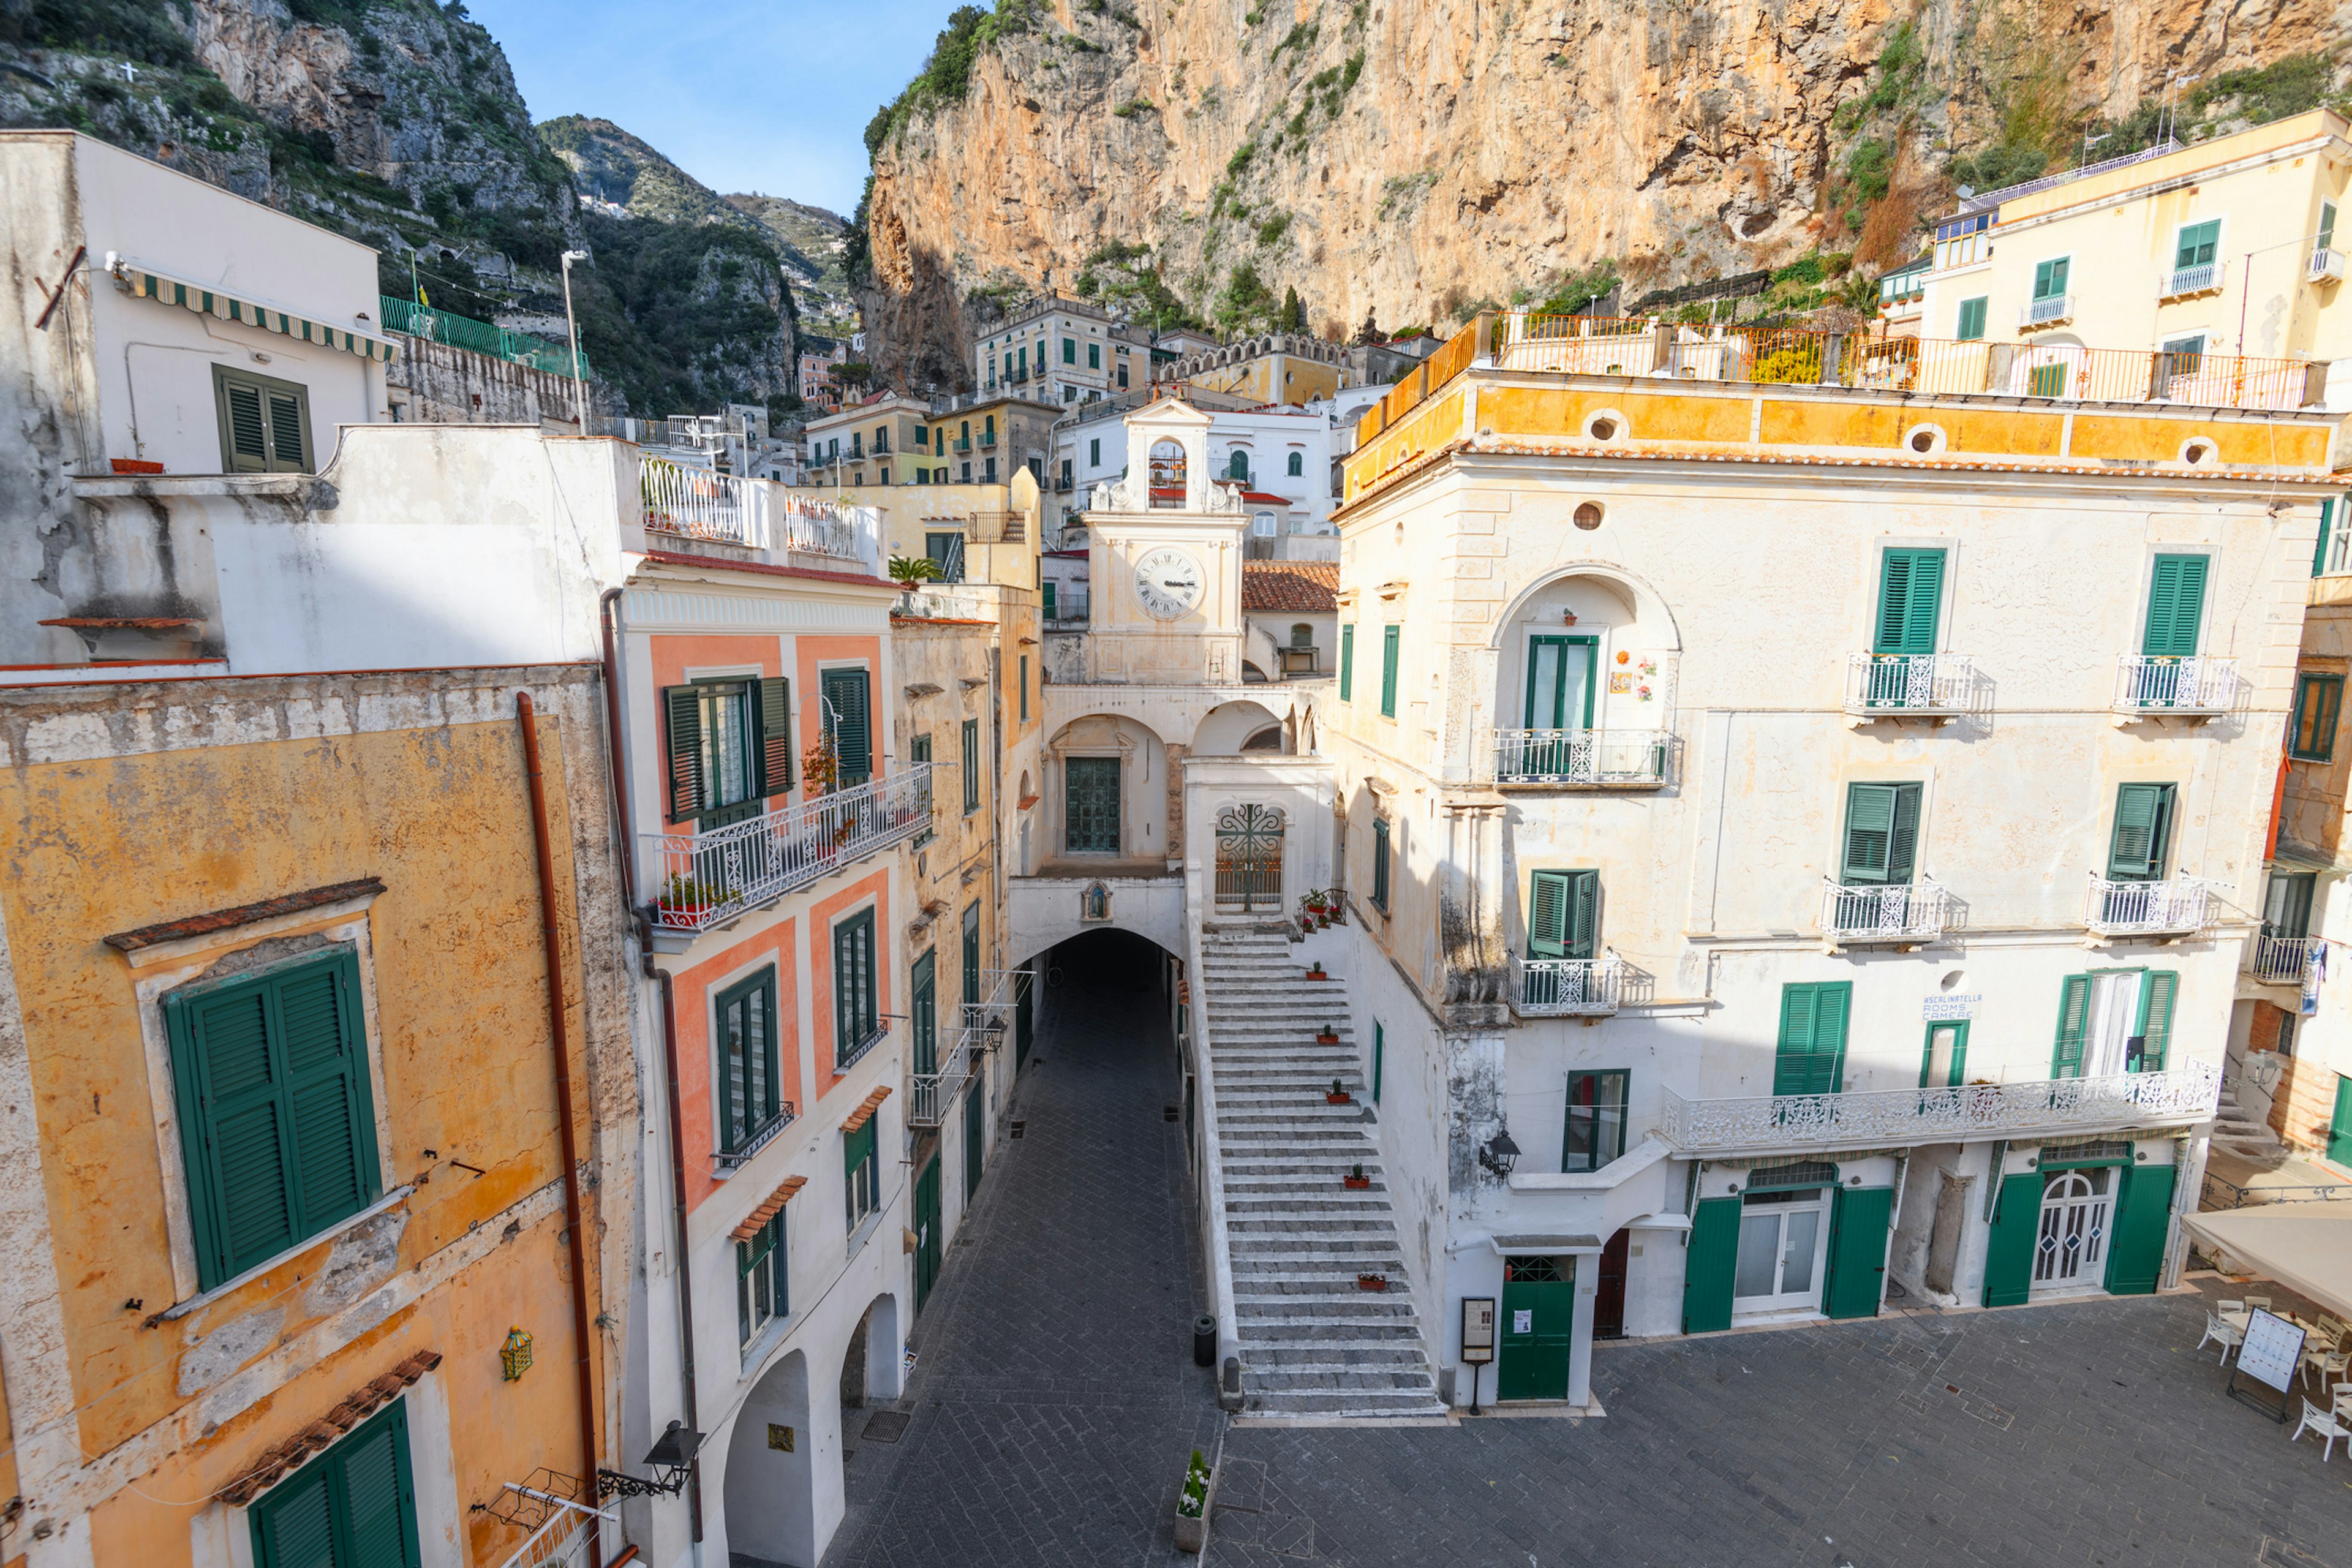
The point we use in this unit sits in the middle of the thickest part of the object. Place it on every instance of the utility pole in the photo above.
(579, 381)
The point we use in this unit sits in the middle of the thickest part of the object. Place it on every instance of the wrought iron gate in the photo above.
(1249, 857)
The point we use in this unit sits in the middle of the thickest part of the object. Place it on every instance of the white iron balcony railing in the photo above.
(2326, 266)
(2145, 909)
(1892, 1118)
(1904, 912)
(1566, 988)
(1897, 683)
(2147, 685)
(2042, 312)
(698, 504)
(2193, 279)
(819, 528)
(930, 1096)
(1626, 758)
(2279, 960)
(709, 879)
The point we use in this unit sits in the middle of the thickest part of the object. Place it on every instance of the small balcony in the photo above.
(1566, 988)
(2279, 960)
(963, 444)
(2325, 266)
(2176, 908)
(708, 880)
(931, 1096)
(2046, 312)
(2186, 280)
(1582, 759)
(1904, 1117)
(1907, 914)
(2176, 688)
(988, 440)
(1907, 685)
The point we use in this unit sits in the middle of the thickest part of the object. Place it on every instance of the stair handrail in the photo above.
(1213, 1167)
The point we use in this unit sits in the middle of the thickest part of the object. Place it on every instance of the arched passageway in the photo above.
(771, 1469)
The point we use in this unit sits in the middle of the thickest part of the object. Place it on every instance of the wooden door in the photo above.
(1609, 1294)
(1538, 1327)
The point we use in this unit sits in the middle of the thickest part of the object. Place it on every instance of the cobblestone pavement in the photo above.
(1054, 1398)
(2085, 1433)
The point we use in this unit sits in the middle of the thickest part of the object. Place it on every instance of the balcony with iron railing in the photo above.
(2201, 278)
(1907, 1117)
(1566, 988)
(2326, 266)
(979, 1027)
(1904, 914)
(1909, 685)
(2172, 908)
(1582, 759)
(2157, 688)
(2279, 960)
(2045, 312)
(710, 879)
(706, 507)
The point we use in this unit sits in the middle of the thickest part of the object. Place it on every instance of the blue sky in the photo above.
(770, 97)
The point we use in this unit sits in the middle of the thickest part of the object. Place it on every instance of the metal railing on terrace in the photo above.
(2174, 908)
(1632, 759)
(1566, 988)
(1907, 913)
(1895, 684)
(979, 1028)
(2279, 960)
(1670, 349)
(465, 333)
(709, 879)
(698, 504)
(2192, 685)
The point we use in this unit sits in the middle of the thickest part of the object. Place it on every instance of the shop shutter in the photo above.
(2009, 1248)
(1857, 1263)
(1811, 1052)
(2156, 989)
(846, 713)
(2073, 1019)
(1910, 590)
(2175, 602)
(1707, 1266)
(2142, 1224)
(772, 707)
(683, 707)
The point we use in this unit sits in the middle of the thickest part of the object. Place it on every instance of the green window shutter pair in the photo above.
(354, 1504)
(1972, 319)
(265, 423)
(1381, 862)
(1910, 590)
(971, 765)
(2339, 1124)
(923, 1013)
(2176, 603)
(1348, 662)
(2143, 828)
(2198, 242)
(1563, 914)
(1390, 639)
(277, 1112)
(1882, 835)
(747, 1044)
(1051, 613)
(971, 954)
(2050, 277)
(2152, 1025)
(1094, 356)
(858, 1147)
(689, 791)
(853, 985)
(1024, 689)
(846, 714)
(2319, 700)
(1810, 1056)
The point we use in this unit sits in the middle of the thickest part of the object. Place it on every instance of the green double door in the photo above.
(2139, 1227)
(1538, 1328)
(2339, 1128)
(975, 1130)
(927, 1231)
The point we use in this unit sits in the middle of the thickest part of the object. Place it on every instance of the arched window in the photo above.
(1302, 636)
(1297, 463)
(1237, 465)
(1262, 525)
(1167, 472)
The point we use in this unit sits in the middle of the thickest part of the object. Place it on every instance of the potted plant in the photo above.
(1355, 1181)
(1371, 1281)
(820, 768)
(1315, 971)
(911, 571)
(1192, 1506)
(1328, 1034)
(1337, 1096)
(683, 895)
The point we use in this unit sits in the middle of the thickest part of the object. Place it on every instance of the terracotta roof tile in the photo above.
(243, 914)
(319, 1435)
(1309, 587)
(866, 1109)
(769, 1210)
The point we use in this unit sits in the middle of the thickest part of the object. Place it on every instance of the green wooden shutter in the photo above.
(856, 1147)
(2009, 1247)
(970, 766)
(248, 435)
(1869, 830)
(1910, 591)
(1857, 1261)
(1811, 1056)
(1584, 912)
(2142, 1224)
(352, 1506)
(327, 1085)
(1381, 862)
(853, 983)
(683, 707)
(2073, 1019)
(2339, 1123)
(1708, 1265)
(923, 1010)
(2197, 243)
(1547, 915)
(1972, 319)
(2136, 853)
(1348, 662)
(290, 431)
(2176, 603)
(1050, 613)
(2156, 989)
(1389, 639)
(2320, 551)
(771, 718)
(846, 713)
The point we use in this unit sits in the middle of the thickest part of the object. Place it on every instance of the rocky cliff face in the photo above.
(1418, 158)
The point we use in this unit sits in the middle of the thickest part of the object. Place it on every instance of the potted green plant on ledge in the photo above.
(1192, 1505)
(1338, 1095)
(1328, 1034)
(1355, 1181)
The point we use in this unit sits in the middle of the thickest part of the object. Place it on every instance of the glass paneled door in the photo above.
(2071, 1249)
(1091, 824)
(1561, 679)
(1783, 1239)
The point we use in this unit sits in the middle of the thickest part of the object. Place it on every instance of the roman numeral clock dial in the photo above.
(1167, 583)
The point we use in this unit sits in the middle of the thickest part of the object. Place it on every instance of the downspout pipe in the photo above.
(559, 1023)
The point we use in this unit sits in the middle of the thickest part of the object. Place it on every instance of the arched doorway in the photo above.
(1249, 857)
(2070, 1252)
(771, 1469)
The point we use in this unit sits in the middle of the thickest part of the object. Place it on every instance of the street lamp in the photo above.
(579, 382)
(1498, 1153)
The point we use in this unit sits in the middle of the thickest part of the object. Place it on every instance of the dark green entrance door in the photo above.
(924, 1010)
(926, 1230)
(1559, 700)
(2339, 1127)
(1538, 1326)
(1090, 825)
(975, 1130)
(1021, 1020)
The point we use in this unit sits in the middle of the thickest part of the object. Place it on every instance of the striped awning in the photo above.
(145, 283)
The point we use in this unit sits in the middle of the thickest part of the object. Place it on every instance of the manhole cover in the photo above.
(885, 1427)
(1018, 1128)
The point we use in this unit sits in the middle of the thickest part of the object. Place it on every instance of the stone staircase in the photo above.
(2236, 1130)
(1314, 1346)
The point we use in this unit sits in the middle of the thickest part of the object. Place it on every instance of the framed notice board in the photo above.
(2271, 1354)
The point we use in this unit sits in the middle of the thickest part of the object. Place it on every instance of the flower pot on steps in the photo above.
(1371, 1281)
(1356, 1183)
(1327, 1037)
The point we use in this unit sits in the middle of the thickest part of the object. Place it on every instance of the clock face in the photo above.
(1168, 581)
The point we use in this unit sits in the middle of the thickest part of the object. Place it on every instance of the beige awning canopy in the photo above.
(145, 283)
(2305, 1246)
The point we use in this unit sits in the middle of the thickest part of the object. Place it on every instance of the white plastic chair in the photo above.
(2329, 1363)
(2229, 1335)
(2330, 1423)
(2262, 1302)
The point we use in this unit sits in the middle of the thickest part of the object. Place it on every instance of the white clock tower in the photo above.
(1166, 560)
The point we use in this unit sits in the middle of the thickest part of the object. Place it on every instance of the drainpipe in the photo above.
(614, 752)
(560, 1027)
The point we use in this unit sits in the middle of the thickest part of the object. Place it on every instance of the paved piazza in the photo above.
(1055, 1400)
